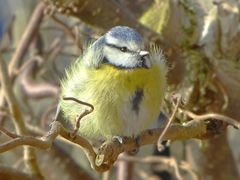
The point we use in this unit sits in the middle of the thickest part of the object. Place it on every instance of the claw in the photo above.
(118, 138)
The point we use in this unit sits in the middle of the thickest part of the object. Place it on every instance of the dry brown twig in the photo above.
(46, 114)
(80, 116)
(17, 116)
(146, 175)
(160, 139)
(12, 173)
(169, 161)
(7, 133)
(37, 59)
(188, 168)
(98, 14)
(27, 38)
(30, 87)
(109, 151)
(24, 44)
(215, 116)
(68, 31)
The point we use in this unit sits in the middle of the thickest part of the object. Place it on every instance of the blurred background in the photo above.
(201, 42)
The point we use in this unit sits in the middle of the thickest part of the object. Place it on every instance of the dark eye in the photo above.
(123, 49)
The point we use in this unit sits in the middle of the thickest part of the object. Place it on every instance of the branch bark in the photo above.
(110, 150)
(10, 173)
(29, 153)
(103, 14)
(27, 38)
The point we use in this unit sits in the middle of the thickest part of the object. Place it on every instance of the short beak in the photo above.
(145, 62)
(143, 53)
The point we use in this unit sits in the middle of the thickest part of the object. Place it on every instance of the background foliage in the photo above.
(201, 40)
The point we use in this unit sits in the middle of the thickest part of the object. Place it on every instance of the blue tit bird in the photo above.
(124, 83)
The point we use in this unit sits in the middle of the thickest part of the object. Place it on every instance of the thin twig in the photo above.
(27, 38)
(110, 150)
(45, 115)
(27, 63)
(67, 30)
(29, 152)
(32, 88)
(125, 169)
(145, 175)
(224, 93)
(12, 173)
(24, 43)
(11, 99)
(80, 116)
(43, 143)
(8, 133)
(80, 102)
(155, 159)
(188, 168)
(216, 116)
(160, 139)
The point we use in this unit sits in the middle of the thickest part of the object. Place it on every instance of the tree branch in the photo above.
(110, 150)
(29, 153)
(104, 14)
(27, 37)
(31, 88)
(11, 173)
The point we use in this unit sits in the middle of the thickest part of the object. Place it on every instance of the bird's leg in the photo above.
(123, 139)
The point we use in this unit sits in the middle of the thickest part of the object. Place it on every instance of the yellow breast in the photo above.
(126, 101)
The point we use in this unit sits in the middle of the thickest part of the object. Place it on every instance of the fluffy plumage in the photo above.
(125, 84)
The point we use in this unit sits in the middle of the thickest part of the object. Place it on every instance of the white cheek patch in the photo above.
(118, 58)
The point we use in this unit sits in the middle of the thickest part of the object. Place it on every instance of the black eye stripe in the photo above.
(123, 49)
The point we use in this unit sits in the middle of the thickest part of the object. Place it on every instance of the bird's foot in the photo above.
(123, 139)
(120, 139)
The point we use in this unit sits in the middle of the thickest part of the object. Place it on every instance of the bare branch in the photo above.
(156, 159)
(78, 118)
(7, 133)
(43, 143)
(159, 145)
(27, 37)
(103, 14)
(109, 151)
(11, 173)
(29, 85)
(216, 116)
(11, 99)
(68, 31)
(46, 114)
(29, 153)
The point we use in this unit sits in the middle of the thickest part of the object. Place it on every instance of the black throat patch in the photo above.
(136, 101)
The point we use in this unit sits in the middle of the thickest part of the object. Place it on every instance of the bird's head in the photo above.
(123, 48)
